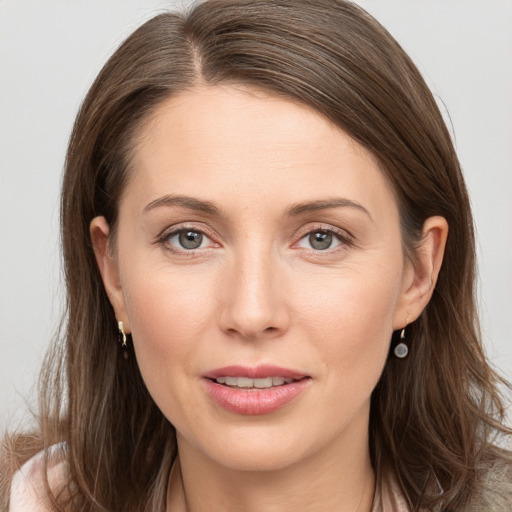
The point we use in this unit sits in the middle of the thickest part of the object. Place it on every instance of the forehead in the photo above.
(216, 111)
(221, 140)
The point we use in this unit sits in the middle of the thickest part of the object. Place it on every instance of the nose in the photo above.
(254, 304)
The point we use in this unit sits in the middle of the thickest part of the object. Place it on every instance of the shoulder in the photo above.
(29, 485)
(495, 488)
(388, 496)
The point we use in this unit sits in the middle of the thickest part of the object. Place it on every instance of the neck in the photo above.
(325, 481)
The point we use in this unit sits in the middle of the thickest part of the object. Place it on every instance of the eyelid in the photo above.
(173, 230)
(345, 237)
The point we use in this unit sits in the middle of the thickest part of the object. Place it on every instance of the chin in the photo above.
(258, 460)
(258, 450)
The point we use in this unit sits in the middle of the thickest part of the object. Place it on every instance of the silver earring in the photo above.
(122, 334)
(401, 350)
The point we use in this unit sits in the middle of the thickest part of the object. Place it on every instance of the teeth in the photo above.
(245, 382)
(264, 383)
(241, 382)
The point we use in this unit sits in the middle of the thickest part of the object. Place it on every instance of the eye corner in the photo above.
(186, 240)
(318, 239)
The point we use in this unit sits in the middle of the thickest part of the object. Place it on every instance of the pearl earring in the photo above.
(401, 350)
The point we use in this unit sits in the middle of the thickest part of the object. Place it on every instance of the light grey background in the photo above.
(50, 51)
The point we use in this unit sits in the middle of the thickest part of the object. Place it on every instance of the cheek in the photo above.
(352, 321)
(163, 303)
(168, 318)
(350, 324)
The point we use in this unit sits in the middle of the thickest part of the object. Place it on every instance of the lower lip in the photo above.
(254, 401)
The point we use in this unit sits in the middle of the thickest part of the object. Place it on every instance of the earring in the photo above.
(122, 334)
(401, 350)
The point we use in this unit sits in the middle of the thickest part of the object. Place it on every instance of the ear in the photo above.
(109, 270)
(420, 274)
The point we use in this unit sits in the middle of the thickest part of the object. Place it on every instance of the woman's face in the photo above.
(260, 270)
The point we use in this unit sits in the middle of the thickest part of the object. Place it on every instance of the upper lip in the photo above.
(257, 372)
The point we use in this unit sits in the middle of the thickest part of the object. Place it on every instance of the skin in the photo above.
(257, 292)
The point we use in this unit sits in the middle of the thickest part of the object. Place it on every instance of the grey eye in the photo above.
(320, 240)
(190, 239)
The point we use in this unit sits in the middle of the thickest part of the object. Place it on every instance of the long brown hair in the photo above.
(434, 415)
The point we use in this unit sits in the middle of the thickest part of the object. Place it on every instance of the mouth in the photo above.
(248, 383)
(259, 377)
(260, 390)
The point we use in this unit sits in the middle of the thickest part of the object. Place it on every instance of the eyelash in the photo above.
(345, 239)
(164, 238)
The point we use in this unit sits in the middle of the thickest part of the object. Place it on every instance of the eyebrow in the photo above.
(185, 201)
(294, 210)
(325, 204)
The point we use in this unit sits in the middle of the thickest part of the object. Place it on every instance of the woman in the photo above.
(269, 259)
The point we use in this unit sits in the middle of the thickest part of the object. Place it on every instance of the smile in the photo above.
(247, 383)
(252, 391)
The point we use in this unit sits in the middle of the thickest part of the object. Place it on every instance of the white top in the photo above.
(28, 490)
